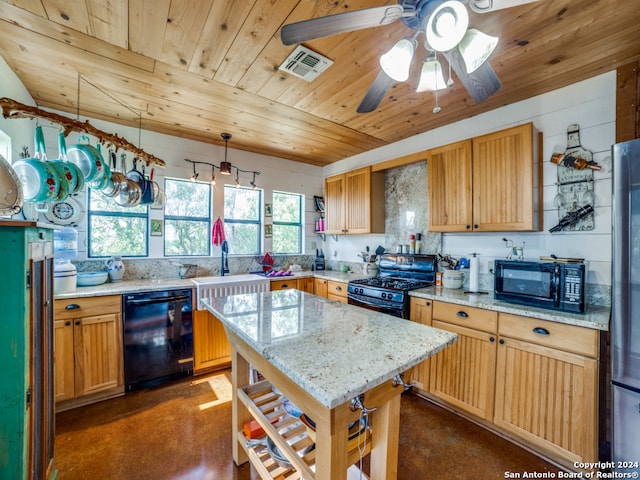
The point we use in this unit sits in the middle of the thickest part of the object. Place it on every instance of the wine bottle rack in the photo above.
(288, 433)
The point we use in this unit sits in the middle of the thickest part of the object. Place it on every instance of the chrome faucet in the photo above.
(224, 258)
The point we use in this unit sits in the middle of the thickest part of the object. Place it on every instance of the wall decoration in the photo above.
(268, 210)
(156, 228)
(268, 231)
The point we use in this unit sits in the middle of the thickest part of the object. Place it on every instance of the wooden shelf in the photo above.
(288, 433)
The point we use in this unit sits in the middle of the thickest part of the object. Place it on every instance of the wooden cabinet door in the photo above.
(63, 360)
(334, 205)
(358, 201)
(463, 374)
(420, 311)
(449, 188)
(320, 287)
(548, 398)
(211, 349)
(503, 180)
(306, 284)
(98, 353)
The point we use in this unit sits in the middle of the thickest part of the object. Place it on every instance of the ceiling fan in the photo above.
(444, 25)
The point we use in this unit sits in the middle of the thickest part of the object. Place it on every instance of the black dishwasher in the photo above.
(158, 337)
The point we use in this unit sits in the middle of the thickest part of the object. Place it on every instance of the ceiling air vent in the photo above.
(305, 63)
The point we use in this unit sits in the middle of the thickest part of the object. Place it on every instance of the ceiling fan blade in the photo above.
(376, 93)
(485, 6)
(305, 30)
(481, 84)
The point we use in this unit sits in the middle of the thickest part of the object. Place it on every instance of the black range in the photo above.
(389, 291)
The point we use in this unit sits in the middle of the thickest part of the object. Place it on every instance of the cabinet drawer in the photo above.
(569, 338)
(338, 289)
(471, 317)
(284, 284)
(87, 307)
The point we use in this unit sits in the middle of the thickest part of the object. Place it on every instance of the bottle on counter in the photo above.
(412, 244)
(418, 242)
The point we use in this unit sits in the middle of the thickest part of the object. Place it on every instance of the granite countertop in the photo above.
(332, 350)
(595, 317)
(129, 286)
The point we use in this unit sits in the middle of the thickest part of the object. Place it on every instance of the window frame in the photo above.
(103, 213)
(300, 224)
(188, 218)
(259, 223)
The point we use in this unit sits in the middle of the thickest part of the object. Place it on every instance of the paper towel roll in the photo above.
(474, 266)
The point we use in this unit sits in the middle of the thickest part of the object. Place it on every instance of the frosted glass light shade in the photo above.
(446, 26)
(476, 47)
(397, 61)
(431, 77)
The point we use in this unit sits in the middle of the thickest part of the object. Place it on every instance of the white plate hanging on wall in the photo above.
(65, 212)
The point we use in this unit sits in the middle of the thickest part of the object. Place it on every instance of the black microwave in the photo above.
(558, 286)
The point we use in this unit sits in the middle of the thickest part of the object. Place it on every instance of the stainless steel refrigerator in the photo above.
(625, 320)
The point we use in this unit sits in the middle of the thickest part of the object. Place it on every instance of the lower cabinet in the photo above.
(337, 291)
(88, 352)
(464, 373)
(211, 349)
(306, 284)
(547, 386)
(320, 287)
(535, 381)
(421, 312)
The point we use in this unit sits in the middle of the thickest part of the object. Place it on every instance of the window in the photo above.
(287, 222)
(187, 218)
(242, 218)
(116, 230)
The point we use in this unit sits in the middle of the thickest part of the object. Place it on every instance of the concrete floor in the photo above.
(182, 431)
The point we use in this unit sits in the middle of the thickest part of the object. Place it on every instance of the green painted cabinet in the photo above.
(26, 352)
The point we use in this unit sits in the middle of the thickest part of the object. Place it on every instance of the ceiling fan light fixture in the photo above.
(476, 47)
(431, 76)
(447, 25)
(397, 61)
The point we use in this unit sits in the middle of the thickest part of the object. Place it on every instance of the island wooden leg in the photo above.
(386, 438)
(240, 376)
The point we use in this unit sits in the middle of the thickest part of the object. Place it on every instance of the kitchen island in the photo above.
(320, 355)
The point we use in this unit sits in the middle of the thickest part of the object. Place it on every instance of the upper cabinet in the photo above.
(355, 202)
(485, 184)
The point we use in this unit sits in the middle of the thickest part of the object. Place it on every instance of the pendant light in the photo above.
(225, 167)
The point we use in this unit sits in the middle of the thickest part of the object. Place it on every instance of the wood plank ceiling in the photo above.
(195, 69)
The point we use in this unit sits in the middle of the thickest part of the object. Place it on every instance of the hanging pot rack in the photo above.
(13, 109)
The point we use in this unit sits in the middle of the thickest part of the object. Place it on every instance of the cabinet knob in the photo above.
(77, 322)
(492, 339)
(67, 323)
(462, 314)
(339, 288)
(475, 225)
(468, 227)
(72, 306)
(284, 285)
(427, 303)
(501, 341)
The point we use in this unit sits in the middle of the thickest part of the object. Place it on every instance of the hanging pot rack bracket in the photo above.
(13, 109)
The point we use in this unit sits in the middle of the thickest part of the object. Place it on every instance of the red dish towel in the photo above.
(217, 232)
